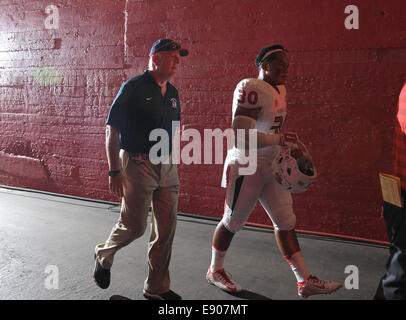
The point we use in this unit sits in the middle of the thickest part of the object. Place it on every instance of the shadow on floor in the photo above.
(118, 297)
(248, 295)
(245, 294)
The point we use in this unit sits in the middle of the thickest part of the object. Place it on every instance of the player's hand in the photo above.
(289, 139)
(116, 184)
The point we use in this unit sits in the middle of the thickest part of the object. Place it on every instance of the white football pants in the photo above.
(243, 192)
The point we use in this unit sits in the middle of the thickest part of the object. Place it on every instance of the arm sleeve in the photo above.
(119, 109)
(252, 94)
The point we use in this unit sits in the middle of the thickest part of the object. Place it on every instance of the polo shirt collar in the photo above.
(149, 77)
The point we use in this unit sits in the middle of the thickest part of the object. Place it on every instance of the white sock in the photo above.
(217, 259)
(298, 266)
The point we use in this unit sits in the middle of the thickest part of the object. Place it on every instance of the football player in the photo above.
(261, 104)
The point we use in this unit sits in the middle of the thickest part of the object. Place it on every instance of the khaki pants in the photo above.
(146, 183)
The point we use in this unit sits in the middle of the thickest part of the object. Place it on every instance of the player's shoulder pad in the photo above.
(252, 93)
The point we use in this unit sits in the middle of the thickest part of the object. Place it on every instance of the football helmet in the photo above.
(295, 170)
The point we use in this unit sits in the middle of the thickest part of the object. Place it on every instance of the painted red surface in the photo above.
(342, 93)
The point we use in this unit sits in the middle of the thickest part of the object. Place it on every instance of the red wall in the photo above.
(342, 93)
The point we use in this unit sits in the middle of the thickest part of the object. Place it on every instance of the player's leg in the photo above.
(222, 238)
(290, 249)
(242, 195)
(278, 204)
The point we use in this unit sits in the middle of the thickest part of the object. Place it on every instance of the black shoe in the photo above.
(170, 295)
(101, 276)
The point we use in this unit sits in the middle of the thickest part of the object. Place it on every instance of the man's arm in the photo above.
(113, 150)
(246, 119)
(113, 147)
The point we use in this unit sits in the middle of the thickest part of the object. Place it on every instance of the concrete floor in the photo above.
(43, 235)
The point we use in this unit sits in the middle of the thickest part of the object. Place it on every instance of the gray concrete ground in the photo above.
(43, 236)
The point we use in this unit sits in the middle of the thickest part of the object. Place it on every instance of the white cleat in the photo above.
(222, 280)
(313, 286)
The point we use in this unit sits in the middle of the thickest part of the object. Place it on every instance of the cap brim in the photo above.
(183, 52)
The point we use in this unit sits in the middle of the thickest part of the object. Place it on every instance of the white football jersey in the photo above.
(256, 93)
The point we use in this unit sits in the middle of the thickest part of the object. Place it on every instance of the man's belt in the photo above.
(138, 157)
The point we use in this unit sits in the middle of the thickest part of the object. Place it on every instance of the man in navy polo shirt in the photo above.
(144, 103)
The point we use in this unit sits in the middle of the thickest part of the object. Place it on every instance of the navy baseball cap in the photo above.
(167, 45)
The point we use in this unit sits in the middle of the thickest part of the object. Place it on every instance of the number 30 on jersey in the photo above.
(251, 97)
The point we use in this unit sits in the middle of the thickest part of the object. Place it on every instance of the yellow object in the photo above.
(391, 189)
